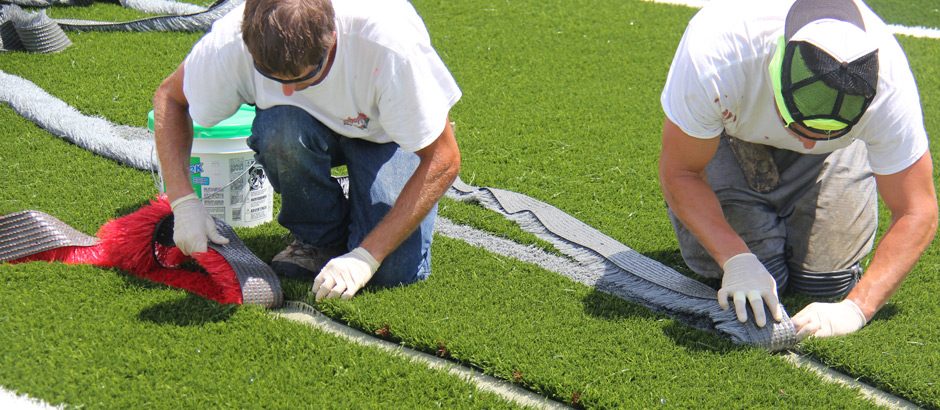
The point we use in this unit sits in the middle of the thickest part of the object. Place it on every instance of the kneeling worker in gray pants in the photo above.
(783, 120)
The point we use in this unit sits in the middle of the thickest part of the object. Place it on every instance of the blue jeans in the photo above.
(298, 152)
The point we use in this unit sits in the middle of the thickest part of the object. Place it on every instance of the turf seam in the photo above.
(625, 273)
(531, 254)
(879, 397)
(303, 313)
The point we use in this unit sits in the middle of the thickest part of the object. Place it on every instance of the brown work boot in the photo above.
(303, 261)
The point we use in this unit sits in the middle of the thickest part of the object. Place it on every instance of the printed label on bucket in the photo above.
(195, 169)
(233, 188)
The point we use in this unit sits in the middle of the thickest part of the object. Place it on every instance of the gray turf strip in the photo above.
(190, 22)
(163, 7)
(128, 145)
(510, 249)
(625, 273)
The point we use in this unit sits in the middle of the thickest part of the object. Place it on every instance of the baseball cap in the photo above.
(825, 68)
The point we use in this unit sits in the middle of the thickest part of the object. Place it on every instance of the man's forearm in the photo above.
(695, 204)
(912, 199)
(894, 258)
(173, 136)
(438, 168)
(682, 164)
(425, 187)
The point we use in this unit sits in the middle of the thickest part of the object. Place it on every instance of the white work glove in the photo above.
(746, 280)
(192, 225)
(344, 275)
(829, 319)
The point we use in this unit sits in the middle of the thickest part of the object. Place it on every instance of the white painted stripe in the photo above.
(880, 397)
(11, 400)
(304, 313)
(917, 31)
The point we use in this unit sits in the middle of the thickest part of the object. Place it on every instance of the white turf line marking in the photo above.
(879, 397)
(921, 32)
(303, 313)
(11, 400)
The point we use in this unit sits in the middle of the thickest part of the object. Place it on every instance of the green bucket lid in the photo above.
(238, 125)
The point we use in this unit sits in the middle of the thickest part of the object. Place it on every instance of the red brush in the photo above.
(137, 244)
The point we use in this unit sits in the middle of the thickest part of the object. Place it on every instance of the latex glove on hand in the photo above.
(192, 225)
(344, 275)
(829, 319)
(747, 281)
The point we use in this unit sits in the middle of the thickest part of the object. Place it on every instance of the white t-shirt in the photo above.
(387, 84)
(719, 82)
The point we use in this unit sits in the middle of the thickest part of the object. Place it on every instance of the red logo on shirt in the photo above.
(361, 121)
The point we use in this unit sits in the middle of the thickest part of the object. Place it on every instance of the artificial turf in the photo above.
(561, 103)
(922, 13)
(93, 338)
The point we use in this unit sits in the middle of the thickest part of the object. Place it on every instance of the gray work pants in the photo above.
(810, 232)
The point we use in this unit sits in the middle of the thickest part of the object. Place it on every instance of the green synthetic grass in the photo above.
(924, 13)
(95, 337)
(561, 103)
(538, 329)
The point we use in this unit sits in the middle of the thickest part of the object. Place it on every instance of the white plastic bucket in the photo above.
(224, 173)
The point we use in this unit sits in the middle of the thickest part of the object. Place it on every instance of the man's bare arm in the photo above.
(912, 199)
(682, 165)
(439, 166)
(173, 133)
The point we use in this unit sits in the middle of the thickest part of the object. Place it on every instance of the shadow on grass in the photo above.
(264, 242)
(129, 209)
(607, 306)
(189, 311)
(696, 340)
(887, 312)
(685, 334)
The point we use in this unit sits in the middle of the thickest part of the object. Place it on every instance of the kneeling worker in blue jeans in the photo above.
(343, 82)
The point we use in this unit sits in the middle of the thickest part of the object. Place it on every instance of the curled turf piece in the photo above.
(39, 33)
(9, 40)
(137, 244)
(131, 146)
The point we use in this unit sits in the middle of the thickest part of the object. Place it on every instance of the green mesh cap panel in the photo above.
(823, 88)
(823, 94)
